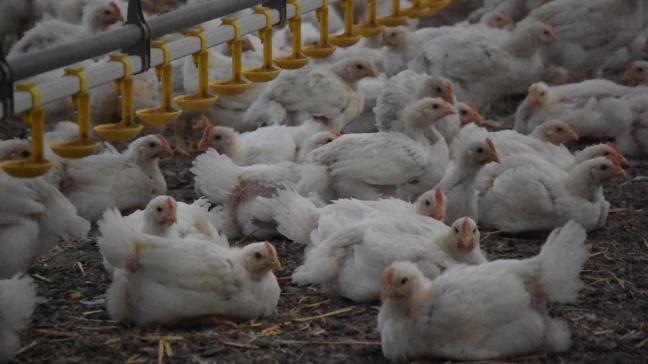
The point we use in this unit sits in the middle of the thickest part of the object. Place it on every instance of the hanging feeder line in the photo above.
(127, 38)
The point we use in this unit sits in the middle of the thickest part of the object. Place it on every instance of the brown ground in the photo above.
(609, 321)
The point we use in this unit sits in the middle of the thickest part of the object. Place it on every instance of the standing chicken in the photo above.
(497, 309)
(125, 180)
(328, 94)
(168, 281)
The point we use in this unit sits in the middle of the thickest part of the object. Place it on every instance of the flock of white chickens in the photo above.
(376, 160)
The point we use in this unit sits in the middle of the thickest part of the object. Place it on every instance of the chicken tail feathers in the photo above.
(115, 243)
(561, 260)
(295, 215)
(18, 300)
(265, 112)
(216, 175)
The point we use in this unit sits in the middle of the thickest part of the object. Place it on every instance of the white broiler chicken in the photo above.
(350, 260)
(530, 194)
(34, 215)
(236, 188)
(588, 32)
(96, 17)
(407, 87)
(389, 164)
(460, 178)
(575, 103)
(17, 303)
(516, 9)
(168, 281)
(507, 64)
(265, 145)
(126, 180)
(327, 93)
(497, 309)
(298, 217)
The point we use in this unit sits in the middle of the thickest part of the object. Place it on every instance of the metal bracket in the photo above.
(280, 6)
(143, 47)
(6, 87)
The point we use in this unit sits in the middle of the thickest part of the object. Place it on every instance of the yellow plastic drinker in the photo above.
(165, 113)
(83, 145)
(297, 59)
(324, 48)
(126, 129)
(347, 38)
(36, 165)
(418, 10)
(202, 99)
(396, 18)
(371, 27)
(267, 72)
(237, 84)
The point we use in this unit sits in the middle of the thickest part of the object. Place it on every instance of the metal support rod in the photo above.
(130, 34)
(143, 47)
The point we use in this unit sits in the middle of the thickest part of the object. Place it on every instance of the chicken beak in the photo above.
(620, 172)
(120, 18)
(644, 49)
(466, 237)
(166, 150)
(573, 136)
(276, 264)
(492, 151)
(533, 96)
(386, 293)
(629, 76)
(371, 72)
(204, 141)
(623, 162)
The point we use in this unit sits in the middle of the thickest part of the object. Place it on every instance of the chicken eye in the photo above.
(639, 69)
(151, 145)
(218, 137)
(257, 255)
(25, 154)
(427, 203)
(435, 106)
(106, 12)
(604, 167)
(559, 129)
(439, 89)
(542, 93)
(328, 140)
(480, 150)
(404, 280)
(414, 181)
(456, 230)
(606, 154)
(159, 209)
(474, 230)
(359, 66)
(546, 32)
(464, 112)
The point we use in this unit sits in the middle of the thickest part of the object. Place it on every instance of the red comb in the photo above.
(472, 106)
(162, 140)
(114, 7)
(336, 132)
(207, 130)
(613, 146)
(613, 158)
(439, 195)
(490, 143)
(466, 224)
(389, 275)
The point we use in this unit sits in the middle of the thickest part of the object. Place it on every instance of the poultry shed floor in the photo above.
(609, 322)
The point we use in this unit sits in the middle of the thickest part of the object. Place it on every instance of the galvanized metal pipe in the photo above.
(110, 71)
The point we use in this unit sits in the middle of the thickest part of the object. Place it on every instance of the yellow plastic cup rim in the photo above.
(344, 40)
(261, 74)
(229, 87)
(117, 132)
(195, 101)
(26, 168)
(158, 117)
(317, 51)
(291, 62)
(75, 148)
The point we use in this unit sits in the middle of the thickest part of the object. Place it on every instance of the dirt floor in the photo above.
(609, 322)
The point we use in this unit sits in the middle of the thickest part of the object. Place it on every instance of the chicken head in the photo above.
(557, 132)
(432, 204)
(500, 20)
(636, 73)
(153, 147)
(402, 280)
(260, 258)
(439, 87)
(466, 234)
(161, 211)
(14, 149)
(395, 37)
(468, 113)
(221, 138)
